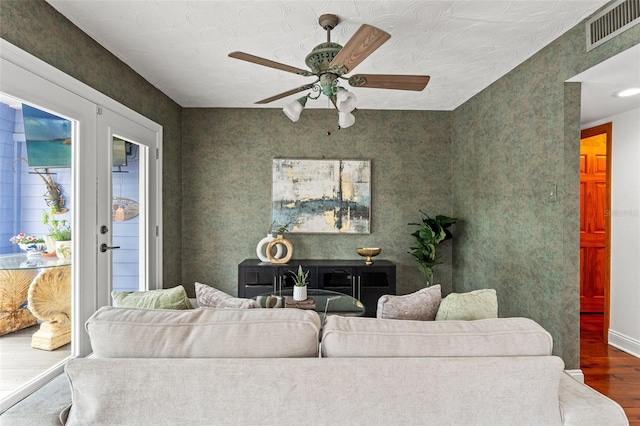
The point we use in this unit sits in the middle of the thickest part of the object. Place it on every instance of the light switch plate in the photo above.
(552, 193)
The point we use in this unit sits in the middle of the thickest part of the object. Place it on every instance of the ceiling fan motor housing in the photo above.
(328, 84)
(321, 56)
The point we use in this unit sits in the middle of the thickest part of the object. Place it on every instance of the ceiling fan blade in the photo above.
(268, 63)
(285, 94)
(389, 81)
(362, 44)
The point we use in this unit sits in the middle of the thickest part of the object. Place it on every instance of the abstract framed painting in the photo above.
(322, 196)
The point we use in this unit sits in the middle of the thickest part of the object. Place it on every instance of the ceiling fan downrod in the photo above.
(321, 56)
(328, 21)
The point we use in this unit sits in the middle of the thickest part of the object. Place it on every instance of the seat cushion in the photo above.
(203, 333)
(367, 391)
(373, 337)
(421, 305)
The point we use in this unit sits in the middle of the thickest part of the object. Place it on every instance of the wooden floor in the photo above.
(19, 362)
(609, 370)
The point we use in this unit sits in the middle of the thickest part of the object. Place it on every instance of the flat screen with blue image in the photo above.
(49, 140)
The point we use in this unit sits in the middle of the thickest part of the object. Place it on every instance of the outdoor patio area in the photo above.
(19, 362)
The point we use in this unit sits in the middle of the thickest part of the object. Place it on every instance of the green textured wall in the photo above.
(37, 28)
(490, 162)
(227, 158)
(510, 144)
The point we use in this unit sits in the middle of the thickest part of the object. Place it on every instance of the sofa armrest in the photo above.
(582, 405)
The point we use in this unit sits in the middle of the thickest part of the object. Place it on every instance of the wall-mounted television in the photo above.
(48, 138)
(119, 152)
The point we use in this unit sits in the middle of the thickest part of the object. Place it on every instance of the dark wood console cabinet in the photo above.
(352, 277)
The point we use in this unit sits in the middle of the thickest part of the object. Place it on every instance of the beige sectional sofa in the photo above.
(282, 366)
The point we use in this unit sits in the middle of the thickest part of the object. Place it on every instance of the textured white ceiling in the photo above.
(181, 47)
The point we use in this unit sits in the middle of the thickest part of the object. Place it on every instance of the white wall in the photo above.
(624, 330)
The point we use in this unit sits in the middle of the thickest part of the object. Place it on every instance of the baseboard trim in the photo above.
(576, 374)
(624, 343)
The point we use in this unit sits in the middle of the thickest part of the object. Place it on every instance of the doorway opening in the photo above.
(595, 223)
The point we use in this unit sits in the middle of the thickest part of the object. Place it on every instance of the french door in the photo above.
(98, 124)
(76, 180)
(128, 206)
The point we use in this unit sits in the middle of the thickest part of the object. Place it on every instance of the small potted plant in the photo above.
(60, 232)
(30, 243)
(431, 232)
(280, 230)
(300, 284)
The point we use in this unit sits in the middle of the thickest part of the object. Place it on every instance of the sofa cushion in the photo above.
(169, 298)
(203, 333)
(421, 305)
(373, 337)
(335, 391)
(474, 305)
(214, 298)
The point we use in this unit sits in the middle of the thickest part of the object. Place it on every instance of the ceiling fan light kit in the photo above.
(345, 101)
(329, 62)
(294, 109)
(345, 119)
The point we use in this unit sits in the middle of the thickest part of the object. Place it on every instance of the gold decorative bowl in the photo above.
(368, 253)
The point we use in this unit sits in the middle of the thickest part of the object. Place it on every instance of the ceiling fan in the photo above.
(329, 62)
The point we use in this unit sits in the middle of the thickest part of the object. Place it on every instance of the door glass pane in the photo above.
(127, 225)
(36, 202)
(128, 221)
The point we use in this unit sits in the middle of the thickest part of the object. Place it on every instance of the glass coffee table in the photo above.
(324, 302)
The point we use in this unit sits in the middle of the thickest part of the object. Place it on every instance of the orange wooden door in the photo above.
(594, 220)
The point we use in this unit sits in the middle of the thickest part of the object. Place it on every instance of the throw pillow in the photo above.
(477, 304)
(214, 298)
(421, 305)
(170, 298)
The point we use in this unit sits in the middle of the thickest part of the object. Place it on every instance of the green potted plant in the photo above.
(300, 284)
(59, 231)
(280, 230)
(431, 232)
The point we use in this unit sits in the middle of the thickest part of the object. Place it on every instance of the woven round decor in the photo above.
(281, 241)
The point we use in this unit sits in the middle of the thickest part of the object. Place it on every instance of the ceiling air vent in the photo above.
(620, 16)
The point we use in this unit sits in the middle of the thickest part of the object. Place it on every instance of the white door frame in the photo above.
(111, 124)
(26, 77)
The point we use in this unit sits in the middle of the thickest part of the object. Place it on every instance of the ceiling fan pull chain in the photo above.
(328, 118)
